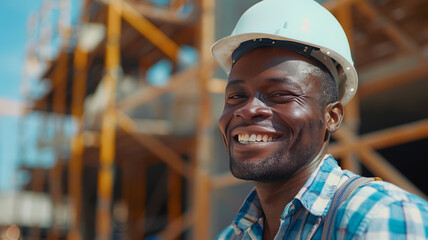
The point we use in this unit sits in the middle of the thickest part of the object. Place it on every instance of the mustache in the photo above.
(268, 125)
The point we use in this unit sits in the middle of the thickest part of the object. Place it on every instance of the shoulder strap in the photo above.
(341, 195)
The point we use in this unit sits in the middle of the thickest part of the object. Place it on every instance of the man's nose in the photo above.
(254, 108)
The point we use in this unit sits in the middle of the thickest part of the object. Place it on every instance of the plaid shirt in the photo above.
(378, 210)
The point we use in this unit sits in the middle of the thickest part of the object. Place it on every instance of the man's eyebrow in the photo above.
(284, 80)
(281, 80)
(234, 82)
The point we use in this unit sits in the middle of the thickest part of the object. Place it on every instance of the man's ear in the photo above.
(333, 116)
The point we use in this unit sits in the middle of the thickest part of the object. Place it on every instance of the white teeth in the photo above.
(253, 138)
(243, 138)
(246, 138)
(265, 138)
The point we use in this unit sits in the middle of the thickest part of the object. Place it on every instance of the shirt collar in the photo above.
(317, 193)
(315, 196)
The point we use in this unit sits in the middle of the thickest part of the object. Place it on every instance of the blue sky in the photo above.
(18, 136)
(13, 21)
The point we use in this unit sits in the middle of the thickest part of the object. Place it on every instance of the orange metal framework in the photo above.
(113, 116)
(350, 147)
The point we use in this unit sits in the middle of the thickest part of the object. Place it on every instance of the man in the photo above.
(290, 73)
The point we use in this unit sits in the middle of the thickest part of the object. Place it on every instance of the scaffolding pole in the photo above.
(202, 186)
(77, 143)
(108, 128)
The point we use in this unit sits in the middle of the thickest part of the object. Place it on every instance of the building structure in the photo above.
(147, 160)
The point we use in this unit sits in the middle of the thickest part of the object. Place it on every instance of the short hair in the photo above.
(328, 86)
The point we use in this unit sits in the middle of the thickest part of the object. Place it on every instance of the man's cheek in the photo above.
(223, 124)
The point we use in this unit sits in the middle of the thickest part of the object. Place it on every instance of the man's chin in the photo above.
(261, 177)
(263, 170)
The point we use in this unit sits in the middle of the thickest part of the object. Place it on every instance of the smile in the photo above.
(245, 138)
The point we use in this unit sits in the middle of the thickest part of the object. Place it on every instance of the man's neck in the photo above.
(274, 196)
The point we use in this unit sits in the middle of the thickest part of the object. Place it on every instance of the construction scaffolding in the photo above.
(140, 83)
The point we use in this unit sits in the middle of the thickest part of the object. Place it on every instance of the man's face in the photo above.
(272, 124)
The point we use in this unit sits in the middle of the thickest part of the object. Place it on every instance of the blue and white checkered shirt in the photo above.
(378, 210)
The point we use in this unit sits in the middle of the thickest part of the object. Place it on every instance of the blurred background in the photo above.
(109, 109)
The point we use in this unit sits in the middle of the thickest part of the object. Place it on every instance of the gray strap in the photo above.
(341, 195)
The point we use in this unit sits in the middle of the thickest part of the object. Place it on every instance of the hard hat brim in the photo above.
(348, 82)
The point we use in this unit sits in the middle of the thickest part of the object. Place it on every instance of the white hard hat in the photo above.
(298, 21)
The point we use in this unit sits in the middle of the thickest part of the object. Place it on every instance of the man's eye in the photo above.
(236, 96)
(281, 96)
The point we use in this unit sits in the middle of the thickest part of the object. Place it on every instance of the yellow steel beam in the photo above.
(202, 186)
(108, 128)
(381, 167)
(377, 164)
(395, 80)
(160, 14)
(384, 138)
(344, 15)
(77, 143)
(150, 31)
(352, 109)
(60, 76)
(349, 160)
(202, 205)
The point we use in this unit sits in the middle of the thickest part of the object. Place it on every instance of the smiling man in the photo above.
(290, 73)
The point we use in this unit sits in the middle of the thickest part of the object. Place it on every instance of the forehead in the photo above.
(274, 63)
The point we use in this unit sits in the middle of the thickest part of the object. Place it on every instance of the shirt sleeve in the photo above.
(399, 220)
(226, 234)
(381, 210)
